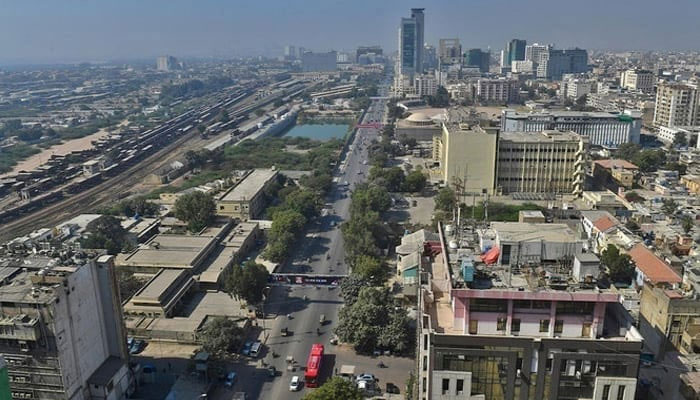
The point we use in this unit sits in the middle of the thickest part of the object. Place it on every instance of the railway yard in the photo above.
(66, 186)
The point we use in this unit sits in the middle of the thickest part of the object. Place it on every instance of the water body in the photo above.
(318, 131)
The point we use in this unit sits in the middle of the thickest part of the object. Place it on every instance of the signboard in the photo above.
(305, 279)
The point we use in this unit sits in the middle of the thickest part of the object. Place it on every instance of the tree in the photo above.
(247, 282)
(628, 151)
(220, 336)
(669, 206)
(687, 224)
(128, 284)
(196, 209)
(369, 268)
(620, 267)
(407, 141)
(415, 182)
(374, 321)
(350, 288)
(445, 199)
(138, 206)
(334, 389)
(106, 232)
(441, 98)
(367, 197)
(634, 197)
(358, 235)
(680, 140)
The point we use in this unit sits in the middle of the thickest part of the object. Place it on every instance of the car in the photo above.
(230, 379)
(366, 377)
(137, 346)
(295, 384)
(246, 348)
(255, 349)
(271, 371)
(129, 342)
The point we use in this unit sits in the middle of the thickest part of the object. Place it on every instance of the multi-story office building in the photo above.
(430, 57)
(290, 52)
(573, 88)
(497, 90)
(543, 162)
(425, 85)
(361, 50)
(536, 52)
(514, 51)
(246, 199)
(522, 67)
(319, 62)
(62, 330)
(677, 104)
(478, 58)
(411, 43)
(450, 52)
(166, 63)
(523, 322)
(560, 62)
(638, 79)
(601, 128)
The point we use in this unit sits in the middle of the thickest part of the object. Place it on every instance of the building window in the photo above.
(445, 386)
(620, 392)
(501, 324)
(606, 392)
(544, 325)
(558, 326)
(460, 386)
(515, 325)
(473, 326)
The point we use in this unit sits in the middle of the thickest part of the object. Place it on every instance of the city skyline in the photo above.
(34, 33)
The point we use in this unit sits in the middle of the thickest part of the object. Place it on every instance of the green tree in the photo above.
(220, 336)
(441, 98)
(138, 206)
(415, 182)
(374, 320)
(106, 232)
(367, 197)
(680, 140)
(196, 209)
(620, 266)
(628, 151)
(392, 178)
(335, 388)
(350, 288)
(129, 284)
(407, 141)
(669, 206)
(358, 235)
(445, 199)
(687, 224)
(369, 268)
(634, 197)
(247, 282)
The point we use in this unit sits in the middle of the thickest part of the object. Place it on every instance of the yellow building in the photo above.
(467, 156)
(246, 200)
(692, 182)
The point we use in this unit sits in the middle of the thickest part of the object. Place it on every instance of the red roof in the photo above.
(653, 268)
(604, 223)
(616, 163)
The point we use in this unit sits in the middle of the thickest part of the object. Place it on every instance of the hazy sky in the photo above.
(40, 31)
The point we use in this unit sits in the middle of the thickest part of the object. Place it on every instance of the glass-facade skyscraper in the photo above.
(411, 37)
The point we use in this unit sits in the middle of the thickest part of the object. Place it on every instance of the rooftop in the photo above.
(653, 268)
(154, 289)
(527, 231)
(511, 113)
(615, 164)
(249, 186)
(168, 251)
(543, 136)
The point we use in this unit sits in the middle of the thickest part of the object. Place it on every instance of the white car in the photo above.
(295, 384)
(366, 377)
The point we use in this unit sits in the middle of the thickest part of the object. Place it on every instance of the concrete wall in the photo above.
(451, 393)
(470, 153)
(615, 385)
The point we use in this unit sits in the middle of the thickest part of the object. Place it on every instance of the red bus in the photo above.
(313, 365)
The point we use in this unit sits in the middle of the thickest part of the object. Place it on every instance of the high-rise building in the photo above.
(677, 104)
(430, 58)
(361, 50)
(514, 51)
(63, 335)
(560, 62)
(541, 162)
(638, 79)
(602, 128)
(425, 85)
(319, 62)
(536, 52)
(478, 58)
(498, 90)
(166, 63)
(290, 52)
(450, 51)
(411, 41)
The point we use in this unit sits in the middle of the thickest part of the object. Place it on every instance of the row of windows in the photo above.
(515, 325)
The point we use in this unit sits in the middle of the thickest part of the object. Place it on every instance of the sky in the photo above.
(67, 31)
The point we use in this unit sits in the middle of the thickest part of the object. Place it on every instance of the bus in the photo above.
(313, 365)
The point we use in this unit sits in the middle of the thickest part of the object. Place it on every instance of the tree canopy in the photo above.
(247, 282)
(196, 209)
(220, 336)
(445, 199)
(415, 181)
(106, 232)
(620, 266)
(334, 389)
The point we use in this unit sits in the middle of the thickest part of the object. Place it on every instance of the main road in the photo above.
(321, 251)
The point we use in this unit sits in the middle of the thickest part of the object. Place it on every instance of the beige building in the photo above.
(497, 90)
(161, 295)
(467, 156)
(677, 104)
(638, 79)
(246, 200)
(665, 316)
(544, 162)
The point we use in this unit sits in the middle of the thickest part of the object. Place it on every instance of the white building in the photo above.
(602, 128)
(638, 79)
(425, 85)
(677, 104)
(522, 67)
(497, 90)
(573, 88)
(667, 134)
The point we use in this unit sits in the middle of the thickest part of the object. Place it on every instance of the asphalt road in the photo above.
(321, 251)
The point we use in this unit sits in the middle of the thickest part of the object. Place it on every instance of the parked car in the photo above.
(366, 377)
(255, 349)
(246, 348)
(137, 346)
(295, 384)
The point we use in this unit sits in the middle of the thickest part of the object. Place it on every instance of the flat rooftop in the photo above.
(154, 289)
(510, 113)
(528, 231)
(543, 136)
(168, 251)
(249, 186)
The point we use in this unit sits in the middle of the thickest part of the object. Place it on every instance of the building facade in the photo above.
(450, 52)
(560, 62)
(425, 85)
(319, 62)
(544, 162)
(497, 90)
(478, 58)
(601, 128)
(677, 104)
(62, 331)
(362, 50)
(411, 43)
(246, 200)
(638, 79)
(166, 63)
(515, 51)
